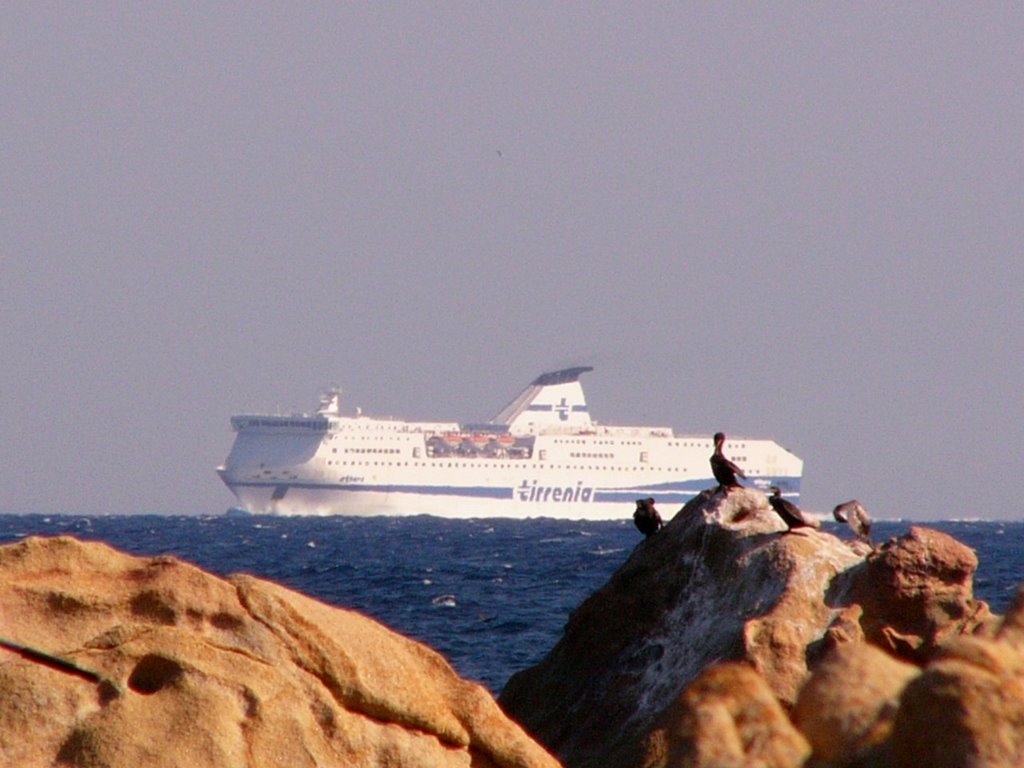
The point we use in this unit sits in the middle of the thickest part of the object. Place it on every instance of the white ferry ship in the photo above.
(541, 456)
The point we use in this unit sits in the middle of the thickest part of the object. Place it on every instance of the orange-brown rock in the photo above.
(729, 718)
(721, 581)
(845, 629)
(1011, 629)
(178, 667)
(916, 591)
(846, 708)
(965, 709)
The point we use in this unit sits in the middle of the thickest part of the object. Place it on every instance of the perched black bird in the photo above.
(646, 517)
(853, 514)
(725, 471)
(788, 511)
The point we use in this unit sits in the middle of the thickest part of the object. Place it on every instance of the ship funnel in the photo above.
(553, 399)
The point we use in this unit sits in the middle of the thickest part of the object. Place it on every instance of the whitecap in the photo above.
(444, 601)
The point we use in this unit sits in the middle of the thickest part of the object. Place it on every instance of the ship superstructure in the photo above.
(541, 456)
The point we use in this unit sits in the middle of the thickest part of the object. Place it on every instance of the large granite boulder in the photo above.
(117, 661)
(721, 581)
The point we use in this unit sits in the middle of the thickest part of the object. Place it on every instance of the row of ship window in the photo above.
(643, 456)
(572, 454)
(671, 444)
(676, 444)
(533, 465)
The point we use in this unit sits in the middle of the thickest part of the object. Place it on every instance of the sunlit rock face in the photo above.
(166, 665)
(722, 581)
(916, 591)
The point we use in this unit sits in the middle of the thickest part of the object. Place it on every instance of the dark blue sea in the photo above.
(491, 595)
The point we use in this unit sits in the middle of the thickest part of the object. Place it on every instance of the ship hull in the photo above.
(567, 502)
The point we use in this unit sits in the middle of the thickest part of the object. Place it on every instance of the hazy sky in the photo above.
(801, 221)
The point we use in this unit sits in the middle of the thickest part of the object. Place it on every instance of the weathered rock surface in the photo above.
(916, 591)
(202, 671)
(846, 708)
(722, 581)
(722, 641)
(729, 718)
(967, 706)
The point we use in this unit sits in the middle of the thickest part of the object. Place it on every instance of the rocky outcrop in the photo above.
(721, 581)
(162, 664)
(915, 592)
(722, 641)
(632, 681)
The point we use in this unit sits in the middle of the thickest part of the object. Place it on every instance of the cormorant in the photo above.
(853, 514)
(646, 517)
(788, 511)
(725, 471)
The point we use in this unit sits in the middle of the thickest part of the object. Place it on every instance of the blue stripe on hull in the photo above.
(663, 493)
